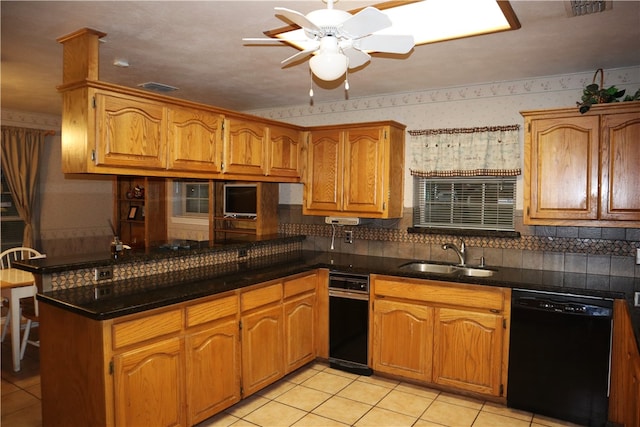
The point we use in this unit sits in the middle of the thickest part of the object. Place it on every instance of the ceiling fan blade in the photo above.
(388, 43)
(298, 18)
(299, 55)
(250, 40)
(356, 57)
(367, 21)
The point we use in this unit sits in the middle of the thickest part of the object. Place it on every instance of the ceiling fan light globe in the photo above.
(328, 66)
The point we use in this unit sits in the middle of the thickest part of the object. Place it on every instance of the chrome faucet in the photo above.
(461, 252)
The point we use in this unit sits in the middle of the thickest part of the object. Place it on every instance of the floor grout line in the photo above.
(29, 377)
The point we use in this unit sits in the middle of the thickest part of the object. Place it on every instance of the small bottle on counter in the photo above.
(116, 247)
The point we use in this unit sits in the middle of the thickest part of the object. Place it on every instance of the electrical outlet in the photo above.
(636, 299)
(638, 256)
(102, 291)
(103, 273)
(348, 236)
(242, 253)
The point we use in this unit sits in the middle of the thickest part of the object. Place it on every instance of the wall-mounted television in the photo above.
(240, 200)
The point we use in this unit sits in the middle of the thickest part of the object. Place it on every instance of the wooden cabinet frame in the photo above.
(581, 170)
(355, 171)
(179, 364)
(448, 334)
(112, 129)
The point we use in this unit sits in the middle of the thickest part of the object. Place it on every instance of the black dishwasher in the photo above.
(559, 356)
(349, 322)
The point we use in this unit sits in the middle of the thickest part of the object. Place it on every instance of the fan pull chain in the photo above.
(310, 84)
(346, 74)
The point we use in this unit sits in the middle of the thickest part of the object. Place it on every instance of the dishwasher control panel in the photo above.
(349, 282)
(564, 305)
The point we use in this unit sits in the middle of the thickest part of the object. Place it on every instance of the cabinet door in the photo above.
(213, 370)
(632, 417)
(130, 132)
(467, 350)
(402, 339)
(620, 199)
(364, 170)
(195, 140)
(245, 148)
(563, 161)
(149, 385)
(323, 186)
(262, 344)
(299, 332)
(284, 152)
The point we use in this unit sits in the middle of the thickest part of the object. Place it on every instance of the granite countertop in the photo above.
(173, 249)
(163, 290)
(135, 295)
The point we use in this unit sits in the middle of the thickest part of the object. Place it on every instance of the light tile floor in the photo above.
(318, 395)
(315, 395)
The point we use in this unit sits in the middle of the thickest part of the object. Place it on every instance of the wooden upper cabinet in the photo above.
(364, 169)
(564, 168)
(130, 132)
(620, 173)
(284, 150)
(582, 169)
(323, 186)
(195, 140)
(355, 170)
(245, 148)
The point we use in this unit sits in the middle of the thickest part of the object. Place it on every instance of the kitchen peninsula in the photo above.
(99, 341)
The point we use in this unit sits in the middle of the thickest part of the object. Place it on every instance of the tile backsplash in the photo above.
(571, 249)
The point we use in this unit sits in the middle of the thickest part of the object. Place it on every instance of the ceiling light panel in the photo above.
(432, 21)
(437, 20)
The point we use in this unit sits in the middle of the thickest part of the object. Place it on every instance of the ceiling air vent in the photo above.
(157, 87)
(586, 7)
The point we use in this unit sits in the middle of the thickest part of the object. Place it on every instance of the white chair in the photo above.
(29, 310)
(6, 259)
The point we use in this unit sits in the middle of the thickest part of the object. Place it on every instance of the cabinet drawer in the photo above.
(446, 293)
(261, 296)
(209, 311)
(146, 328)
(300, 285)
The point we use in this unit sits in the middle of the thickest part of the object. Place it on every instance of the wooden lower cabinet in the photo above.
(278, 330)
(177, 365)
(213, 370)
(149, 385)
(449, 334)
(467, 350)
(262, 346)
(624, 398)
(299, 327)
(414, 360)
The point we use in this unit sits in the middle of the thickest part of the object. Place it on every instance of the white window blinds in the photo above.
(479, 203)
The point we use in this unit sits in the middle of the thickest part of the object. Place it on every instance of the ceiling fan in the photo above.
(339, 40)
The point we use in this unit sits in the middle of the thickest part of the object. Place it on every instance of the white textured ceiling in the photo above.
(197, 47)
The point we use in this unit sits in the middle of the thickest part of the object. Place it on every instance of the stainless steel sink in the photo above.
(447, 269)
(475, 272)
(427, 267)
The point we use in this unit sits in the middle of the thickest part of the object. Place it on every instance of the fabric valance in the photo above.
(481, 151)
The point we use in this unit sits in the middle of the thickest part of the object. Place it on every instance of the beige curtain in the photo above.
(20, 155)
(481, 151)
